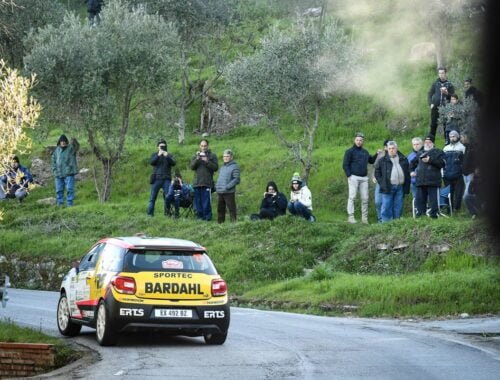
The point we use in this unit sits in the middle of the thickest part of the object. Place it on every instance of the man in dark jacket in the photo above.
(438, 95)
(205, 164)
(428, 169)
(93, 9)
(229, 177)
(162, 162)
(393, 176)
(355, 167)
(273, 204)
(64, 168)
(472, 92)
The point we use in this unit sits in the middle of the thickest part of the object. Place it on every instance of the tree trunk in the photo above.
(181, 124)
(107, 168)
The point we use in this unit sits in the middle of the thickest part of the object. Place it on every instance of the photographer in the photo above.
(438, 95)
(162, 161)
(205, 164)
(273, 204)
(179, 194)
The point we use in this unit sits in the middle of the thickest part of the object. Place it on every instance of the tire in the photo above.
(103, 331)
(215, 338)
(64, 324)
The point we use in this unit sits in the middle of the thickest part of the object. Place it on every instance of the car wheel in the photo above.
(64, 324)
(215, 338)
(104, 333)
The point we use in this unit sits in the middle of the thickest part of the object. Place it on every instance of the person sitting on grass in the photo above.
(300, 199)
(273, 204)
(15, 182)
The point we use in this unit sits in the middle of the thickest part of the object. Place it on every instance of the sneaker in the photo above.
(351, 219)
(312, 218)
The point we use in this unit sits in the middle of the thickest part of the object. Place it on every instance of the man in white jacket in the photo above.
(300, 199)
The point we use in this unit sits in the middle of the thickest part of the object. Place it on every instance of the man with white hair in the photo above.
(393, 176)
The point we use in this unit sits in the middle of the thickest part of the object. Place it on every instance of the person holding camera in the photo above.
(273, 204)
(162, 162)
(179, 194)
(428, 170)
(438, 95)
(204, 163)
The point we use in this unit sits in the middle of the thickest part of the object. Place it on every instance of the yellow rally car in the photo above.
(133, 283)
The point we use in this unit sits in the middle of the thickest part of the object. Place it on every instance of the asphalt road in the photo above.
(273, 345)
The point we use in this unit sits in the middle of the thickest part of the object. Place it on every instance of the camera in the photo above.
(202, 154)
(423, 155)
(163, 148)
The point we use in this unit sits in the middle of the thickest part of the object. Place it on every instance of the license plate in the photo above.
(173, 313)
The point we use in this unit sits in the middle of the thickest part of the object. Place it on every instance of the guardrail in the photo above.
(4, 284)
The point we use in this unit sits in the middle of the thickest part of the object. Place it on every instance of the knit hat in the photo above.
(430, 137)
(359, 134)
(162, 141)
(296, 178)
(228, 152)
(62, 138)
(454, 133)
(15, 159)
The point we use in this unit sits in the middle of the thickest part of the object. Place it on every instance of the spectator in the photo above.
(438, 95)
(469, 164)
(453, 113)
(93, 9)
(428, 168)
(229, 177)
(15, 182)
(393, 176)
(64, 168)
(472, 92)
(273, 204)
(377, 196)
(300, 203)
(162, 162)
(179, 194)
(472, 198)
(453, 173)
(418, 146)
(355, 166)
(205, 164)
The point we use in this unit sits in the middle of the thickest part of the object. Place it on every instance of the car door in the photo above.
(85, 284)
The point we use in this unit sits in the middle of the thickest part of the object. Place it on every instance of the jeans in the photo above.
(67, 183)
(392, 203)
(378, 202)
(467, 180)
(203, 202)
(155, 189)
(358, 184)
(298, 209)
(427, 194)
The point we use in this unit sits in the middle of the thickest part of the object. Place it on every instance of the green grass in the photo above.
(64, 353)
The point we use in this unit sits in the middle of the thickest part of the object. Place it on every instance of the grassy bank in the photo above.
(64, 353)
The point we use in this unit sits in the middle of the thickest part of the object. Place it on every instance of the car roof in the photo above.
(146, 242)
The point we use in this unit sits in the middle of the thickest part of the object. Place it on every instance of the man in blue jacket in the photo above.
(355, 167)
(229, 177)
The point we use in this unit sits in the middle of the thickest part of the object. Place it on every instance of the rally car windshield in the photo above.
(168, 261)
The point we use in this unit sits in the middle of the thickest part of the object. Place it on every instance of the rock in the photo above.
(401, 246)
(41, 170)
(423, 51)
(441, 248)
(312, 12)
(82, 174)
(47, 201)
(383, 247)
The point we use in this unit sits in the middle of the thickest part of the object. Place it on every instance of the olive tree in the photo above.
(293, 72)
(95, 77)
(17, 18)
(18, 111)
